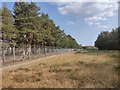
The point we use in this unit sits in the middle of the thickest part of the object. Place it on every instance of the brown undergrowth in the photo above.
(66, 71)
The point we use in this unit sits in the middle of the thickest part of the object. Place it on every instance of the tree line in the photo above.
(28, 26)
(108, 40)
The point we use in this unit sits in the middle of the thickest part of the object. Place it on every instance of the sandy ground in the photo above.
(68, 70)
(14, 66)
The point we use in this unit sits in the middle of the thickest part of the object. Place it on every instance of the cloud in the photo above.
(97, 23)
(103, 26)
(77, 0)
(57, 1)
(67, 8)
(90, 23)
(88, 8)
(95, 18)
(94, 23)
(92, 12)
(70, 23)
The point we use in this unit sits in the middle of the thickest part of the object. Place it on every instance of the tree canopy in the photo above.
(9, 32)
(29, 25)
(108, 40)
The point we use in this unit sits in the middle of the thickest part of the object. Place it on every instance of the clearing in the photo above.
(92, 69)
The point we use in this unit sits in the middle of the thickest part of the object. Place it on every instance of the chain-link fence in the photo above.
(20, 52)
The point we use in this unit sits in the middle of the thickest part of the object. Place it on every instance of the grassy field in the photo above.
(91, 69)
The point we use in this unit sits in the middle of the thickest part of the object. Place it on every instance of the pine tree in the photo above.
(26, 16)
(9, 32)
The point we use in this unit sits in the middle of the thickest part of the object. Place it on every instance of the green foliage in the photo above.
(108, 40)
(9, 32)
(29, 25)
(90, 48)
(26, 20)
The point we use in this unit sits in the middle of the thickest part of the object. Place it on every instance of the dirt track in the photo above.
(25, 63)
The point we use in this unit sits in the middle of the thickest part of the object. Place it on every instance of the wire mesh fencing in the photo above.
(21, 53)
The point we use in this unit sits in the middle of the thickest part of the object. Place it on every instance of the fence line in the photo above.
(18, 53)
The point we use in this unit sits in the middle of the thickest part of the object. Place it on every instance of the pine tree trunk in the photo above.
(14, 53)
(28, 51)
(52, 49)
(44, 48)
(34, 49)
(39, 50)
(3, 55)
(9, 51)
(29, 42)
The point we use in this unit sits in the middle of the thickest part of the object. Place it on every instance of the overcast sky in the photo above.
(82, 20)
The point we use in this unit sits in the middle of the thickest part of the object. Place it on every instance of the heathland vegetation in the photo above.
(87, 67)
(92, 69)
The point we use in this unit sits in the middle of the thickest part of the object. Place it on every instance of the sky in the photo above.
(82, 20)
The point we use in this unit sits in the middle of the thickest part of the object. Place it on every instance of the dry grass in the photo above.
(65, 71)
